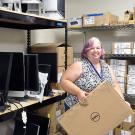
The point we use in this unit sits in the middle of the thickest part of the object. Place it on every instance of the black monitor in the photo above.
(50, 59)
(5, 70)
(31, 72)
(16, 84)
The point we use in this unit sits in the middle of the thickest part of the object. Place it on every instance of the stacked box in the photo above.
(120, 69)
(54, 110)
(131, 79)
(133, 48)
(55, 48)
(122, 48)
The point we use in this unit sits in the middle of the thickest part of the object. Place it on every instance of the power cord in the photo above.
(15, 112)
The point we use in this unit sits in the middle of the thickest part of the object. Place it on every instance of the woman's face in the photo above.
(94, 53)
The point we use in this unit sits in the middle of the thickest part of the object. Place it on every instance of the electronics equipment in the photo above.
(55, 6)
(31, 72)
(43, 122)
(36, 125)
(28, 129)
(16, 83)
(50, 59)
(5, 70)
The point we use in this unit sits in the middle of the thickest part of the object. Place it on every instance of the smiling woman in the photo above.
(83, 76)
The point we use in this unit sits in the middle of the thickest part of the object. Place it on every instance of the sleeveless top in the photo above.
(89, 79)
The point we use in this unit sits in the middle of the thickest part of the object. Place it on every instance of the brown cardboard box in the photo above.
(103, 111)
(61, 69)
(54, 110)
(55, 48)
(100, 19)
(128, 17)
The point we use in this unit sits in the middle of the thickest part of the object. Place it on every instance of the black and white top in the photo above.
(89, 79)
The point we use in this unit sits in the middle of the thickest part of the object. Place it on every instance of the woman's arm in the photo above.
(68, 78)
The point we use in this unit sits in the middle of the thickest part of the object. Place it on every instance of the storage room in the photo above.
(67, 67)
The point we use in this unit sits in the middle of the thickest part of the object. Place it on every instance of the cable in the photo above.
(15, 112)
(15, 101)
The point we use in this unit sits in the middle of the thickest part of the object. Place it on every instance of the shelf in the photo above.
(16, 20)
(30, 105)
(120, 56)
(103, 28)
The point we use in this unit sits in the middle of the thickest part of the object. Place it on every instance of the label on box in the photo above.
(89, 20)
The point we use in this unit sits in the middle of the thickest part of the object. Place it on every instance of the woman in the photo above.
(83, 76)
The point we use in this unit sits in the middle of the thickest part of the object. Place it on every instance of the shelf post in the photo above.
(66, 45)
(28, 41)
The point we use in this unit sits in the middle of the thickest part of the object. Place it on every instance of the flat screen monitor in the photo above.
(50, 59)
(16, 84)
(5, 70)
(31, 72)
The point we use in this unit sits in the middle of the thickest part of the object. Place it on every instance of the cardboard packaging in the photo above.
(103, 111)
(55, 48)
(99, 19)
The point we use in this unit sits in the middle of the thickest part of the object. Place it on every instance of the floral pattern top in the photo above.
(89, 79)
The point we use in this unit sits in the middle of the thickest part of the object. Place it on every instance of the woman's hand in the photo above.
(82, 95)
(128, 103)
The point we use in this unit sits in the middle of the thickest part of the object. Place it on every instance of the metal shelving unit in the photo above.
(128, 27)
(120, 56)
(28, 22)
(103, 28)
(24, 21)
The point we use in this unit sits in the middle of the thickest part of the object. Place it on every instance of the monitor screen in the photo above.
(16, 84)
(50, 59)
(31, 72)
(5, 70)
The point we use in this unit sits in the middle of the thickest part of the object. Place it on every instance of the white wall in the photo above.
(76, 8)
(16, 40)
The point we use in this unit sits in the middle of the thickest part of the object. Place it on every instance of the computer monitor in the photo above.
(5, 70)
(50, 59)
(31, 72)
(16, 83)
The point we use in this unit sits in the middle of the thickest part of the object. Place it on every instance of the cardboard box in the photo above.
(103, 111)
(128, 17)
(55, 48)
(99, 19)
